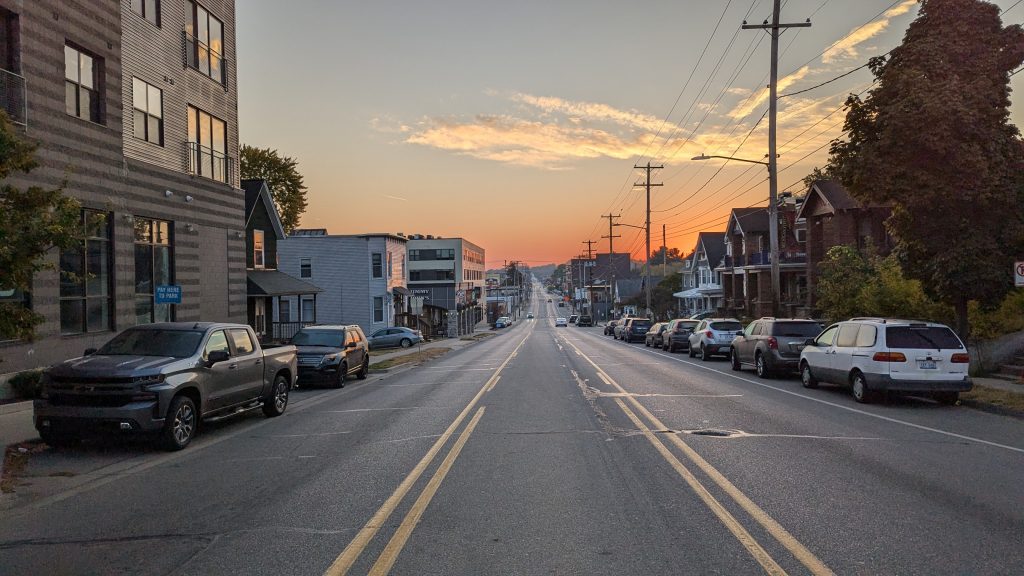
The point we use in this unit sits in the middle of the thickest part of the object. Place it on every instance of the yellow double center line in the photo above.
(362, 539)
(799, 551)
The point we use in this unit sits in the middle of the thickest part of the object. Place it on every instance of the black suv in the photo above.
(585, 321)
(635, 329)
(772, 345)
(331, 354)
(677, 334)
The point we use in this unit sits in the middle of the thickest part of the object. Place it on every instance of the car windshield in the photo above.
(332, 338)
(641, 323)
(153, 342)
(796, 329)
(726, 325)
(922, 338)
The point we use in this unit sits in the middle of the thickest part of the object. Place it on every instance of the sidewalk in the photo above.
(16, 423)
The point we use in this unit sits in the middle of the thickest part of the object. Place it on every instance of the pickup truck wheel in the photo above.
(275, 404)
(181, 424)
(364, 369)
(339, 382)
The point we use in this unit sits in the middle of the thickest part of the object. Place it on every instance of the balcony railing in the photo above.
(199, 56)
(13, 98)
(209, 163)
(285, 330)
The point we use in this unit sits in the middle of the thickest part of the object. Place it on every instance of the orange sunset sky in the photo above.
(517, 124)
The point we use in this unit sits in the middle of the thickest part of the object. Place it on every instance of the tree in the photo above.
(663, 302)
(674, 256)
(283, 179)
(32, 222)
(933, 140)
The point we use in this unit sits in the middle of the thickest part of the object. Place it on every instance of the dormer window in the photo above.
(258, 256)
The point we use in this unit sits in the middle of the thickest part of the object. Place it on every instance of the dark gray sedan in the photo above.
(393, 337)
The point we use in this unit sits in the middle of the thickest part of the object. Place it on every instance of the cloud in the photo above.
(591, 111)
(847, 47)
(751, 104)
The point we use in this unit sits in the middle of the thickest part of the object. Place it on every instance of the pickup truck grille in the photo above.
(310, 360)
(89, 380)
(91, 400)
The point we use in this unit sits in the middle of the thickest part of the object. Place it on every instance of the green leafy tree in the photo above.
(933, 140)
(283, 179)
(662, 300)
(842, 272)
(32, 222)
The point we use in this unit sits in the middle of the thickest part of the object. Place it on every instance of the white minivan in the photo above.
(872, 355)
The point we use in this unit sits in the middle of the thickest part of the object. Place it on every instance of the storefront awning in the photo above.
(400, 290)
(276, 283)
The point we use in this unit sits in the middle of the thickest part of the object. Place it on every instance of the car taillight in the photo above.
(709, 334)
(960, 358)
(889, 357)
(773, 343)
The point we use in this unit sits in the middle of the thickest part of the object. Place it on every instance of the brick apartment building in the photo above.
(134, 104)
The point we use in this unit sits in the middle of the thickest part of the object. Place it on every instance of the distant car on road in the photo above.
(585, 321)
(573, 318)
(772, 345)
(714, 336)
(561, 322)
(529, 316)
(330, 354)
(655, 334)
(503, 322)
(164, 378)
(609, 327)
(561, 304)
(872, 355)
(392, 337)
(677, 334)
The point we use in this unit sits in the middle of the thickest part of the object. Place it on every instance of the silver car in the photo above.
(394, 337)
(714, 336)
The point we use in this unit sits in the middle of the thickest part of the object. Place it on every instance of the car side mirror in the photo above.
(809, 342)
(217, 356)
(351, 345)
(89, 352)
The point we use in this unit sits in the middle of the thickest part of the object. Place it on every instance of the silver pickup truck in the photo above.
(164, 378)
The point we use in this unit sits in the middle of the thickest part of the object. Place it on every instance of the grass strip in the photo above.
(983, 396)
(413, 358)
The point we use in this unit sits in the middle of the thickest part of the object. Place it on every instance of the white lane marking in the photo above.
(840, 406)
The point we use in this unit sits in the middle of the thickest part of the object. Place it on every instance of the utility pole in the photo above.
(611, 260)
(664, 252)
(647, 227)
(590, 259)
(590, 250)
(775, 29)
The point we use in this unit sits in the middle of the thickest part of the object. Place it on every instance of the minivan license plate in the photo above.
(926, 364)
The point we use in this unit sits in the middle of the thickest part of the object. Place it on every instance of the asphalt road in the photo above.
(553, 451)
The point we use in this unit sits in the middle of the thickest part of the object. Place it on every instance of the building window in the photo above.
(305, 267)
(204, 42)
(377, 265)
(428, 275)
(378, 309)
(391, 266)
(308, 310)
(81, 84)
(86, 279)
(207, 145)
(257, 249)
(148, 101)
(154, 266)
(431, 254)
(148, 9)
(284, 314)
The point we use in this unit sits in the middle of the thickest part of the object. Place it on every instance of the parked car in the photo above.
(164, 378)
(573, 318)
(872, 355)
(561, 322)
(529, 316)
(549, 299)
(561, 304)
(677, 334)
(714, 336)
(702, 315)
(772, 345)
(609, 327)
(635, 329)
(654, 336)
(585, 321)
(392, 337)
(503, 322)
(330, 354)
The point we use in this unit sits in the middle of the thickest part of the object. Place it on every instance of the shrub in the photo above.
(28, 384)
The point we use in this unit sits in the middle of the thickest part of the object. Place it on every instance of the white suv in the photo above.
(873, 355)
(714, 336)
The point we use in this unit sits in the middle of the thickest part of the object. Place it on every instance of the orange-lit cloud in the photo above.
(751, 104)
(847, 47)
(591, 111)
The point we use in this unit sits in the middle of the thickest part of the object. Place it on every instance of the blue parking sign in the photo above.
(168, 294)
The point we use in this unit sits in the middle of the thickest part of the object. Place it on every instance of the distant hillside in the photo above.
(544, 271)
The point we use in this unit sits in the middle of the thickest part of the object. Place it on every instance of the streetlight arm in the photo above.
(705, 157)
(631, 226)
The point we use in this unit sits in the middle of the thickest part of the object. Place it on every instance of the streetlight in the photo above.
(647, 269)
(773, 225)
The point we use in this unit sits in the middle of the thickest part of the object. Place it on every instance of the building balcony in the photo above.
(207, 61)
(209, 163)
(13, 99)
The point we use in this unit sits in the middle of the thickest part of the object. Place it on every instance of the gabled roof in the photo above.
(831, 196)
(714, 246)
(256, 192)
(748, 220)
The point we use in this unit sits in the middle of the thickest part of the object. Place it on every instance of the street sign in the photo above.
(168, 294)
(1018, 274)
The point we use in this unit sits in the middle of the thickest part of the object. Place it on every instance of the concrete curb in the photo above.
(992, 409)
(15, 407)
